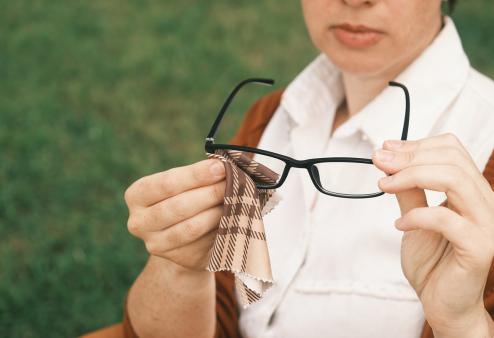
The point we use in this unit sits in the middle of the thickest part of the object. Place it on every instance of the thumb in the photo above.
(410, 199)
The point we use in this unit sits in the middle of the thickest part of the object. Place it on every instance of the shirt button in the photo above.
(364, 137)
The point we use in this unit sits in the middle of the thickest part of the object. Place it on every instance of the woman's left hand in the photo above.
(447, 250)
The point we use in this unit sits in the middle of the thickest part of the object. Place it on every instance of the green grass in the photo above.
(95, 94)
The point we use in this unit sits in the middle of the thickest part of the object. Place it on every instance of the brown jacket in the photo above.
(227, 312)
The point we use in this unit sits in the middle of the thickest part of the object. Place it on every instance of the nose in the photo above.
(358, 3)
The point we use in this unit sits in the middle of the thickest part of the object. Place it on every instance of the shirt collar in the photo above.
(434, 80)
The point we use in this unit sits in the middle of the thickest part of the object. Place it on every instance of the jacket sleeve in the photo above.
(256, 120)
(226, 307)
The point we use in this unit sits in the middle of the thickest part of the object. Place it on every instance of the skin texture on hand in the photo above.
(166, 301)
(446, 250)
(176, 213)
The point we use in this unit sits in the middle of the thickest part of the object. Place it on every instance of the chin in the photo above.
(358, 63)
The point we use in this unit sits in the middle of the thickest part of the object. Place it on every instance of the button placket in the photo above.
(282, 290)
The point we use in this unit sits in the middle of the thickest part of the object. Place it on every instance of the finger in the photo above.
(410, 199)
(197, 254)
(456, 229)
(407, 199)
(186, 232)
(194, 255)
(394, 161)
(453, 181)
(177, 208)
(160, 186)
(436, 141)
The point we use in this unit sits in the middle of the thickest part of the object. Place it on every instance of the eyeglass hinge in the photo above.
(210, 139)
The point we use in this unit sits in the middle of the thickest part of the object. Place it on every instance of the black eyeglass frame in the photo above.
(290, 162)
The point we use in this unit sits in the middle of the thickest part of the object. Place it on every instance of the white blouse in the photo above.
(336, 261)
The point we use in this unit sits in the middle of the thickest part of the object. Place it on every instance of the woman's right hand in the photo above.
(177, 212)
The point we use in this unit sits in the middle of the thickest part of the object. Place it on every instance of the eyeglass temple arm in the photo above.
(212, 132)
(404, 133)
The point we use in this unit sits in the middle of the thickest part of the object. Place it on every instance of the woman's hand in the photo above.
(177, 212)
(447, 250)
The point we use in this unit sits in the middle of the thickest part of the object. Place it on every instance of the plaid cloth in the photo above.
(240, 245)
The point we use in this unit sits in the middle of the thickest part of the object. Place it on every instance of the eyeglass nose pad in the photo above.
(315, 174)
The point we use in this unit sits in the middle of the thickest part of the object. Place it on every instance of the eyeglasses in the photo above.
(345, 177)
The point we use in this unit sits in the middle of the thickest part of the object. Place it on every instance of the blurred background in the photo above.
(94, 95)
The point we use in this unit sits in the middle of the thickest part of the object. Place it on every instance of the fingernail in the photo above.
(217, 168)
(385, 156)
(394, 144)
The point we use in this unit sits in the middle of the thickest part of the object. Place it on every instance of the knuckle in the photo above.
(153, 247)
(136, 189)
(128, 195)
(130, 192)
(133, 225)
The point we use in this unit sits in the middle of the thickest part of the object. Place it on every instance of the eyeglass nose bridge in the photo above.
(284, 175)
(312, 171)
(286, 171)
(315, 177)
(313, 174)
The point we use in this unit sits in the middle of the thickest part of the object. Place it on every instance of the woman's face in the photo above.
(372, 37)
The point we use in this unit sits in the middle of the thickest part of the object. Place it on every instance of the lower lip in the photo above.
(357, 39)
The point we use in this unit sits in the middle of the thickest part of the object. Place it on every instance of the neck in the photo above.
(360, 89)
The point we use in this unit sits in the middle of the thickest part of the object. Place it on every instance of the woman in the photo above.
(341, 268)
